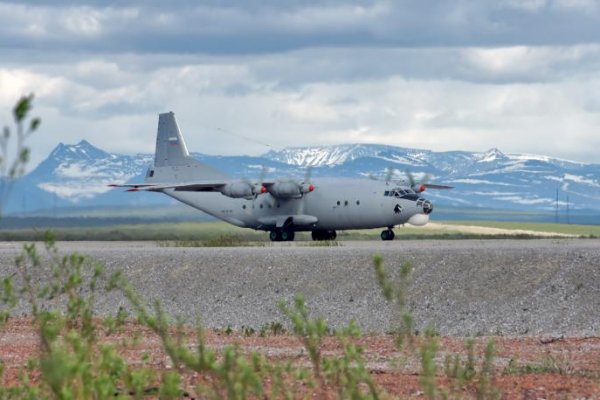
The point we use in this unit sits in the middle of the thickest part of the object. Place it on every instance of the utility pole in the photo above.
(556, 207)
(568, 220)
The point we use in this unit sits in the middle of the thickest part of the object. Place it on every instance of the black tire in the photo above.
(387, 235)
(332, 235)
(317, 235)
(285, 236)
(274, 236)
(292, 236)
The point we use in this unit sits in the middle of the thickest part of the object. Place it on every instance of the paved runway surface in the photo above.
(460, 287)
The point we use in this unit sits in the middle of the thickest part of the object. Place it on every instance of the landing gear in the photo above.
(282, 236)
(387, 235)
(324, 235)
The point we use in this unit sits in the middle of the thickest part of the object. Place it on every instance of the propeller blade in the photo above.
(426, 178)
(411, 179)
(308, 174)
(432, 186)
(263, 174)
(389, 173)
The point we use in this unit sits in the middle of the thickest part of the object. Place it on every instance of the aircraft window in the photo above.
(261, 206)
(278, 205)
(338, 203)
(396, 194)
(386, 193)
(358, 202)
(346, 202)
(244, 206)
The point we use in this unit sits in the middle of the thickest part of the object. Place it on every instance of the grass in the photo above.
(224, 240)
(185, 231)
(196, 234)
(548, 365)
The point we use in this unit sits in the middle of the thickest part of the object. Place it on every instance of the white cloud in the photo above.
(114, 103)
(528, 5)
(579, 5)
(512, 75)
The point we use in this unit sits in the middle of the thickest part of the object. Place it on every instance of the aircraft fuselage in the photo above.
(337, 204)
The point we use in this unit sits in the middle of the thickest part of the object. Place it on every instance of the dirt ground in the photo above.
(523, 367)
(484, 230)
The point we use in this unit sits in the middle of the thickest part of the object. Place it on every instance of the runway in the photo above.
(459, 287)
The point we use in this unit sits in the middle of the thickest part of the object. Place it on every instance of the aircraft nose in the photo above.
(427, 207)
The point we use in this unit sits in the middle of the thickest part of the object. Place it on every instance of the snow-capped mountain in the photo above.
(81, 172)
(78, 175)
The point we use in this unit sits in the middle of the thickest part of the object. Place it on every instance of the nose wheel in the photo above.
(388, 234)
(282, 236)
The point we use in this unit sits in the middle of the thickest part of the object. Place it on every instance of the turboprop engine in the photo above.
(290, 189)
(245, 190)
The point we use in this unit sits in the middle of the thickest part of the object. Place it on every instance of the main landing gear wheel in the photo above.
(282, 236)
(387, 235)
(323, 235)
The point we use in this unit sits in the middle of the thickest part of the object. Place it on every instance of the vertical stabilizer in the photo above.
(172, 161)
(170, 146)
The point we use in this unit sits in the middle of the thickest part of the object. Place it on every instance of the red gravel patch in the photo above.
(523, 367)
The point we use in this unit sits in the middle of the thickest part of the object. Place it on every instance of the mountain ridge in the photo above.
(78, 175)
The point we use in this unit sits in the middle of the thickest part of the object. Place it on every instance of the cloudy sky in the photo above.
(519, 75)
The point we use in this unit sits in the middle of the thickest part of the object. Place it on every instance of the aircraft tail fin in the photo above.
(170, 145)
(172, 160)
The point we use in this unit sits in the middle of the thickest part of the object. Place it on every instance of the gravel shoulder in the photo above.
(459, 287)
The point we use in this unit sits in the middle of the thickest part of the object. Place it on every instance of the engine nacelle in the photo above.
(238, 190)
(290, 189)
(286, 190)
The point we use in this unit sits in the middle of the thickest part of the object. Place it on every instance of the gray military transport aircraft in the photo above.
(281, 206)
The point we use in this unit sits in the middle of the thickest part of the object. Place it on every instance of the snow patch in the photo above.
(75, 191)
(581, 179)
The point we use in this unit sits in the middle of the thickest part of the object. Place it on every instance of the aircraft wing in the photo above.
(200, 186)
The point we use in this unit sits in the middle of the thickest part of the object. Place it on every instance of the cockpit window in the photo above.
(401, 193)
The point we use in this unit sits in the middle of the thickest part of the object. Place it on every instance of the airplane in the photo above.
(281, 206)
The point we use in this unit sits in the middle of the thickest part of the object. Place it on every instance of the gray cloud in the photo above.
(519, 75)
(259, 27)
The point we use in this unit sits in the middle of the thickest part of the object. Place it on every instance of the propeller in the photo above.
(422, 184)
(307, 186)
(260, 188)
